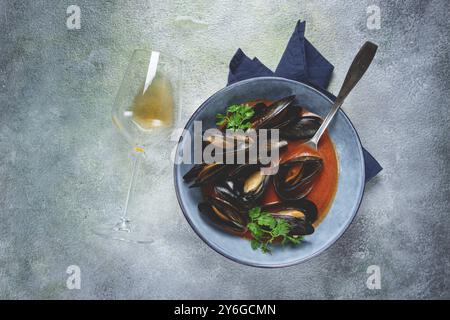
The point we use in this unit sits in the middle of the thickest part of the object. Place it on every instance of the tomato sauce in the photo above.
(325, 186)
(324, 189)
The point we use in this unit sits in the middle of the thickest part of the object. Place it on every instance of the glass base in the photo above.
(123, 225)
(123, 231)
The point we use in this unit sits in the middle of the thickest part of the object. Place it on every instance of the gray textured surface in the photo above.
(64, 168)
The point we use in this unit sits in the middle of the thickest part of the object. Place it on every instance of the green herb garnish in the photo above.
(265, 229)
(237, 117)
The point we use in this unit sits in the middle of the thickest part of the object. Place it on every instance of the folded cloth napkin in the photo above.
(300, 62)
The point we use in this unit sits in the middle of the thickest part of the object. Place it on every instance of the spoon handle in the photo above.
(357, 69)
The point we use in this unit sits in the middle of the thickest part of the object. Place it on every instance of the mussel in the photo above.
(295, 178)
(259, 108)
(231, 142)
(205, 173)
(224, 214)
(192, 174)
(245, 185)
(273, 115)
(299, 214)
(201, 174)
(301, 128)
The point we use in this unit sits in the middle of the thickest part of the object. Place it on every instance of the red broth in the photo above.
(325, 186)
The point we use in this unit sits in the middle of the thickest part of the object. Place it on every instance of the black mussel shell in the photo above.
(202, 174)
(249, 183)
(299, 227)
(259, 108)
(193, 172)
(304, 205)
(295, 178)
(273, 115)
(302, 128)
(300, 216)
(224, 215)
(230, 142)
(229, 191)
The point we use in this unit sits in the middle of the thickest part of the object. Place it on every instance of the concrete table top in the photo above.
(64, 168)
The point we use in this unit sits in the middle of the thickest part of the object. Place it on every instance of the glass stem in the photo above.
(124, 223)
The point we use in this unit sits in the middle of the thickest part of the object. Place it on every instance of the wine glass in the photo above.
(145, 111)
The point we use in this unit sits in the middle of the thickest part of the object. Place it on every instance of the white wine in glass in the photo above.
(145, 111)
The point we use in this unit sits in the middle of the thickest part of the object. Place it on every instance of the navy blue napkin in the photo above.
(300, 62)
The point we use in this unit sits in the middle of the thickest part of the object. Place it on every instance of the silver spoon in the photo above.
(357, 69)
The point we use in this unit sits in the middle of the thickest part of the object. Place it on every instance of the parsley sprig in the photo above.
(236, 117)
(265, 229)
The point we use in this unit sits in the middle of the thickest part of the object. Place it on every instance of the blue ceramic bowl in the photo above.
(350, 184)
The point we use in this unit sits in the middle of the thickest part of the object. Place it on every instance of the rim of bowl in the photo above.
(216, 247)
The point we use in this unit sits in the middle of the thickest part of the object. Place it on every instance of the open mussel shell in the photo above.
(299, 214)
(192, 174)
(273, 115)
(259, 108)
(232, 147)
(205, 173)
(229, 192)
(233, 142)
(244, 186)
(201, 174)
(299, 226)
(224, 215)
(300, 128)
(307, 207)
(249, 183)
(295, 178)
(246, 183)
